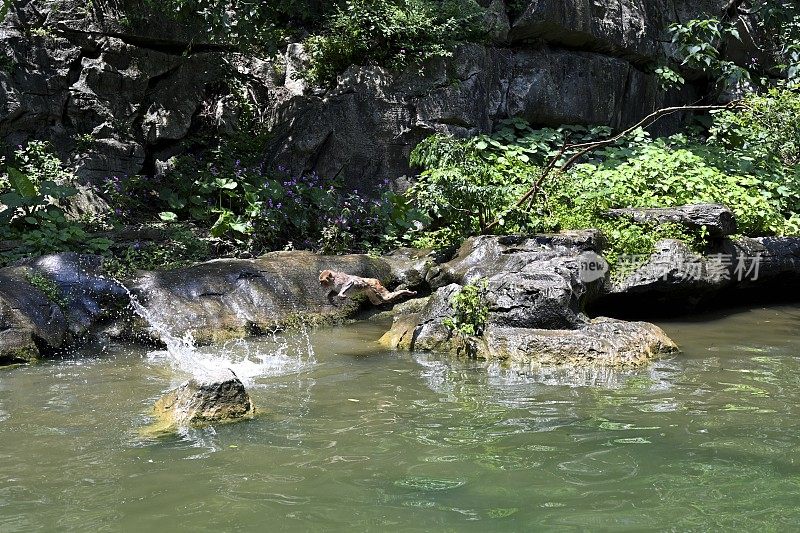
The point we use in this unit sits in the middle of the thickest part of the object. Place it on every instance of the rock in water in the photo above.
(602, 342)
(217, 397)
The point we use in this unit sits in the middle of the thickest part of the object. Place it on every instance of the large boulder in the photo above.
(534, 290)
(211, 398)
(28, 320)
(48, 303)
(532, 282)
(229, 298)
(677, 279)
(601, 342)
(88, 297)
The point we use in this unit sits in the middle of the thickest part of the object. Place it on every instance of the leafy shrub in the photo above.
(470, 309)
(700, 44)
(662, 175)
(748, 161)
(32, 192)
(466, 184)
(393, 33)
(229, 191)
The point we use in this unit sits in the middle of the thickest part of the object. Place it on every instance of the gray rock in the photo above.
(601, 342)
(718, 220)
(233, 298)
(410, 267)
(766, 259)
(27, 319)
(535, 290)
(674, 278)
(673, 268)
(635, 29)
(296, 60)
(89, 298)
(212, 398)
(143, 86)
(532, 282)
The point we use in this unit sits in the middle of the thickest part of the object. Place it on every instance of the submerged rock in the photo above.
(218, 397)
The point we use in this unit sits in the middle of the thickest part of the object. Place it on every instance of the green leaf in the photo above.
(21, 183)
(168, 216)
(12, 200)
(4, 9)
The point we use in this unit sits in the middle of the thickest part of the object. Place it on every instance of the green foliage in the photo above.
(31, 212)
(700, 44)
(228, 190)
(47, 286)
(85, 142)
(393, 33)
(470, 309)
(747, 161)
(668, 173)
(766, 128)
(780, 22)
(699, 41)
(466, 184)
(183, 247)
(390, 32)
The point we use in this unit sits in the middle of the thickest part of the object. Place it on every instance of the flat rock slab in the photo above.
(603, 342)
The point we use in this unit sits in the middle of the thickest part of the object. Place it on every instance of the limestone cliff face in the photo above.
(135, 89)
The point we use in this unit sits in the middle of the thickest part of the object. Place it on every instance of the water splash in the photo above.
(248, 359)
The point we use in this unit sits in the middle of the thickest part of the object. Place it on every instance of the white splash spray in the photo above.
(249, 359)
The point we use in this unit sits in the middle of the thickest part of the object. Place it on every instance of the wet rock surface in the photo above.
(232, 298)
(534, 290)
(531, 287)
(211, 398)
(27, 319)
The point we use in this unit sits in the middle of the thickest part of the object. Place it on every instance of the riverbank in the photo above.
(529, 296)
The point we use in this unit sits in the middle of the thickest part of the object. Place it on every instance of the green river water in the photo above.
(357, 439)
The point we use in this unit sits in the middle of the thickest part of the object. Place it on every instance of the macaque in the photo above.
(345, 285)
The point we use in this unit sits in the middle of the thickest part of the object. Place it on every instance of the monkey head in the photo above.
(326, 278)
